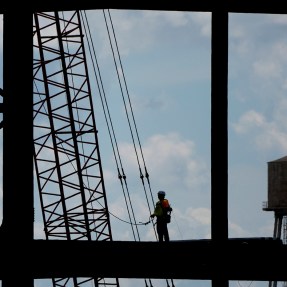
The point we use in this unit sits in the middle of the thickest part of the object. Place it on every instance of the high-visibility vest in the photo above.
(165, 203)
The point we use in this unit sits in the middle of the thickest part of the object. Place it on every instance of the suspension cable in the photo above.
(128, 119)
(131, 109)
(105, 107)
(132, 114)
(121, 174)
(103, 98)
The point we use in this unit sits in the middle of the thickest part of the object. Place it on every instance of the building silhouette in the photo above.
(277, 200)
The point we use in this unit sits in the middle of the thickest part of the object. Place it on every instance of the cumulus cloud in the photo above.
(174, 166)
(236, 230)
(197, 223)
(170, 159)
(173, 18)
(267, 68)
(203, 19)
(248, 121)
(269, 64)
(264, 134)
(201, 216)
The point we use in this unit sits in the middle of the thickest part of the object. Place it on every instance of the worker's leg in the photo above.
(160, 232)
(165, 233)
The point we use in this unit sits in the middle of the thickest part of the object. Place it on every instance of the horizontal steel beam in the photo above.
(235, 6)
(238, 259)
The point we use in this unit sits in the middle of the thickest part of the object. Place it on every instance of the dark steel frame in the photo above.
(17, 234)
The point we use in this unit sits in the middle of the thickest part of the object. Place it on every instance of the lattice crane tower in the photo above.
(67, 160)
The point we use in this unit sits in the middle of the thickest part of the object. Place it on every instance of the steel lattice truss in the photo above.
(67, 159)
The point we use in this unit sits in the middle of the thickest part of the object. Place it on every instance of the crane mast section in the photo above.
(67, 158)
(66, 152)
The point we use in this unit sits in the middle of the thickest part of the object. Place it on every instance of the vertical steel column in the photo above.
(219, 137)
(18, 213)
(278, 225)
(219, 133)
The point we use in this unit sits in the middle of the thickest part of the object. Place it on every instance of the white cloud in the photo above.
(272, 138)
(248, 121)
(170, 159)
(280, 19)
(267, 69)
(200, 216)
(265, 135)
(203, 19)
(173, 18)
(237, 231)
(174, 166)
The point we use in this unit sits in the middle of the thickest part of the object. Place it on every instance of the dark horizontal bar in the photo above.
(235, 6)
(257, 259)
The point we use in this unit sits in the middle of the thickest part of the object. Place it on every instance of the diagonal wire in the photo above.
(107, 115)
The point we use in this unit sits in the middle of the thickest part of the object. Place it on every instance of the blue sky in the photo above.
(166, 63)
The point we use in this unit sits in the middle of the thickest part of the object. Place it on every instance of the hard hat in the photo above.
(161, 193)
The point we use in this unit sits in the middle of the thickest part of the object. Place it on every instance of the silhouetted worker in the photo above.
(162, 212)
